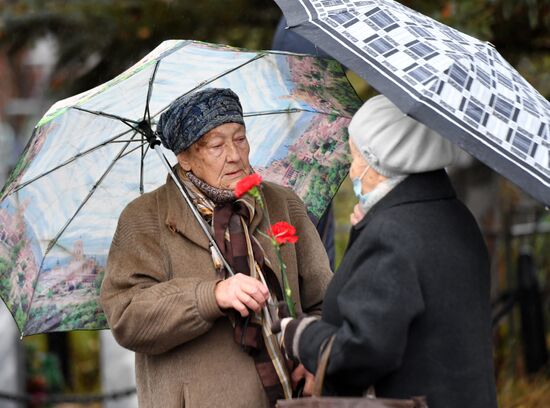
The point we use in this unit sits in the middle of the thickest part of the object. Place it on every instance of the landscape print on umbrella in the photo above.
(18, 268)
(313, 156)
(88, 158)
(71, 277)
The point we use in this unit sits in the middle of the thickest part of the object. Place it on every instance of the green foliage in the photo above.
(43, 370)
(16, 250)
(98, 280)
(100, 39)
(322, 186)
(15, 173)
(5, 287)
(5, 266)
(20, 318)
(296, 164)
(86, 315)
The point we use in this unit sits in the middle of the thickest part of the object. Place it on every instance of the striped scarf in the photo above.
(244, 253)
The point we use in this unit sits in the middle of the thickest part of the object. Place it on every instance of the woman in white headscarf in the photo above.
(409, 307)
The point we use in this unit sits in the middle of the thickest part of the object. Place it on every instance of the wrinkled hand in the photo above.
(300, 373)
(241, 292)
(357, 214)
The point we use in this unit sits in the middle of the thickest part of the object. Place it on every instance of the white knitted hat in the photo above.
(394, 143)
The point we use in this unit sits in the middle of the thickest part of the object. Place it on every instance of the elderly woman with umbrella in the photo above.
(408, 310)
(199, 336)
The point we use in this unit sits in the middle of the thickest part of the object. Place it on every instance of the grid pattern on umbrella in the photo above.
(457, 75)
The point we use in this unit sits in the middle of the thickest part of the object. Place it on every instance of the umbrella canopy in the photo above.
(454, 83)
(88, 158)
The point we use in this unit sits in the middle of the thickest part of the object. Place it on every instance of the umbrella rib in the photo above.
(291, 110)
(143, 154)
(53, 242)
(147, 116)
(209, 81)
(72, 159)
(141, 167)
(87, 198)
(56, 238)
(133, 150)
(32, 297)
(124, 140)
(107, 115)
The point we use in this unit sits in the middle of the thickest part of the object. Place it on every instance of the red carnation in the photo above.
(283, 232)
(247, 183)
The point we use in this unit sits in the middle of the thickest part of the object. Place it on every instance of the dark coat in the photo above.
(410, 305)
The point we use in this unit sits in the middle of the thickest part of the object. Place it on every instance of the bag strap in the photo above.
(322, 368)
(322, 364)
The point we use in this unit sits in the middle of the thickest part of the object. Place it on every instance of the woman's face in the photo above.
(358, 163)
(219, 157)
(358, 166)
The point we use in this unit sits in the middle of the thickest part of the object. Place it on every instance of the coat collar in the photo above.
(429, 186)
(180, 218)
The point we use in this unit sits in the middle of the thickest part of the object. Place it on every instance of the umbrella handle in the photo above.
(204, 226)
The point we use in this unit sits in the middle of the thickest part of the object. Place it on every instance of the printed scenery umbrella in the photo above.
(454, 83)
(88, 157)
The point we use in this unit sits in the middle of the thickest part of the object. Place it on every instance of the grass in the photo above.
(524, 392)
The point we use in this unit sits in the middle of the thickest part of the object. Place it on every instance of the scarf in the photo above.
(380, 191)
(230, 221)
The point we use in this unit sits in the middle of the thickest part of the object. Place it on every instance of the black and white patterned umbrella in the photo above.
(454, 83)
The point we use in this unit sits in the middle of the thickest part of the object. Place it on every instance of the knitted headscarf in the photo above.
(190, 116)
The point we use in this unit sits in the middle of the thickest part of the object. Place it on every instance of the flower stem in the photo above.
(287, 292)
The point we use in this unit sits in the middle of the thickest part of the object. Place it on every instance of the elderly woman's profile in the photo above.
(198, 336)
(408, 311)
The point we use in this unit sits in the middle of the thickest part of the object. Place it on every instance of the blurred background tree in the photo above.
(99, 39)
(79, 44)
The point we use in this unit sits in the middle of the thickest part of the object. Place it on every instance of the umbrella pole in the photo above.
(144, 127)
(213, 246)
(204, 226)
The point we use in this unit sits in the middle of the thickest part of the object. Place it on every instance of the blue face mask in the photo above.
(358, 188)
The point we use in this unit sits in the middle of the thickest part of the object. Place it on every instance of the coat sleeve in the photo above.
(378, 303)
(146, 311)
(313, 263)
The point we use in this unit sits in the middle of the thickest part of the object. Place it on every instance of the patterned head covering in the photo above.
(190, 116)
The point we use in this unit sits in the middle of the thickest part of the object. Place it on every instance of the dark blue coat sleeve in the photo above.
(378, 299)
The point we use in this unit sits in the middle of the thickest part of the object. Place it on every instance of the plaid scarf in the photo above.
(244, 253)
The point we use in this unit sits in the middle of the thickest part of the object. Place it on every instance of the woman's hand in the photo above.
(357, 214)
(300, 373)
(241, 292)
(289, 329)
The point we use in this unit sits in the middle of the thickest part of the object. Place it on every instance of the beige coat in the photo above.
(158, 295)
